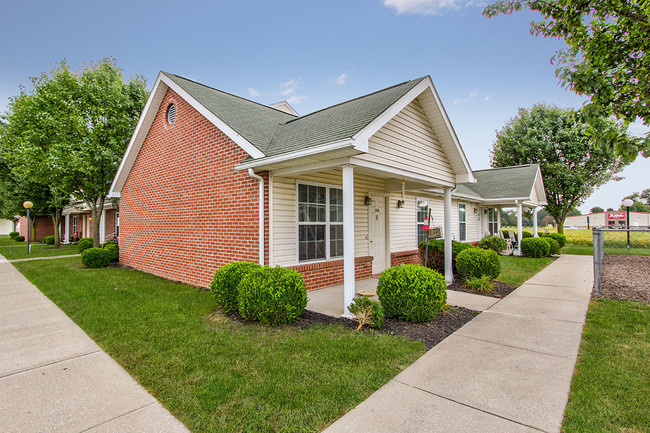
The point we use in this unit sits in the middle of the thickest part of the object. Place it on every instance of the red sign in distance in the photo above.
(616, 215)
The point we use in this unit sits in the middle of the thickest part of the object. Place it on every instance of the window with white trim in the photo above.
(422, 213)
(320, 222)
(493, 224)
(462, 222)
(117, 224)
(74, 224)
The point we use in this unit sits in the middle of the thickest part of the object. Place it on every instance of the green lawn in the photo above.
(610, 391)
(588, 250)
(214, 374)
(37, 250)
(515, 270)
(5, 240)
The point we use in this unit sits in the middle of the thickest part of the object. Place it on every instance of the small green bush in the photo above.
(49, 240)
(559, 238)
(554, 246)
(108, 243)
(84, 244)
(525, 234)
(476, 262)
(225, 282)
(113, 252)
(95, 257)
(13, 235)
(273, 296)
(19, 238)
(535, 247)
(494, 243)
(436, 257)
(367, 312)
(480, 284)
(412, 293)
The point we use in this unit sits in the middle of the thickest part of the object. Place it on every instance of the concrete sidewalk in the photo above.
(508, 370)
(53, 377)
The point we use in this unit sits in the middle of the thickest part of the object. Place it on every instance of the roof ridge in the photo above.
(355, 99)
(229, 94)
(507, 167)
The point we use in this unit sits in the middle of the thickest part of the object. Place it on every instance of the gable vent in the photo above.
(171, 113)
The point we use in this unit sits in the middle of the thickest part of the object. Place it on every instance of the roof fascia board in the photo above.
(216, 121)
(335, 145)
(399, 172)
(306, 168)
(137, 138)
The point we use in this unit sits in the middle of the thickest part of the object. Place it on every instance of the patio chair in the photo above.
(513, 240)
(509, 247)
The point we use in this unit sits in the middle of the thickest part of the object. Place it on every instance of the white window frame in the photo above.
(462, 238)
(74, 224)
(327, 224)
(494, 221)
(419, 223)
(117, 225)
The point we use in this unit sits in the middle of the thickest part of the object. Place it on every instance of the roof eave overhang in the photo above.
(269, 161)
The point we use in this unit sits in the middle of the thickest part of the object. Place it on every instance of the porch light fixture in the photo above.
(367, 201)
(28, 205)
(484, 211)
(475, 210)
(400, 204)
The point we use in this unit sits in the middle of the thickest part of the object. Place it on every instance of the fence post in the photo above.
(598, 257)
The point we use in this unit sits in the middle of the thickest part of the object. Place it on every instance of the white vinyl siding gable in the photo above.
(409, 142)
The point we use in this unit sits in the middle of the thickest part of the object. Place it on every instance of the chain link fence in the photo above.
(621, 240)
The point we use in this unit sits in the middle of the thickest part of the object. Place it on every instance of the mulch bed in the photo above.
(626, 277)
(501, 289)
(430, 333)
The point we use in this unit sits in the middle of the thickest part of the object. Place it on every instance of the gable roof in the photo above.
(514, 183)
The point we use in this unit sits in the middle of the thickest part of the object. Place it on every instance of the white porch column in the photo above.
(535, 235)
(520, 226)
(102, 227)
(449, 270)
(348, 237)
(66, 233)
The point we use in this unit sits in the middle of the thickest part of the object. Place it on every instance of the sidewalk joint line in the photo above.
(119, 416)
(50, 363)
(515, 347)
(534, 317)
(550, 299)
(470, 406)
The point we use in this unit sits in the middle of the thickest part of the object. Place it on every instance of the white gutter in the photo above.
(260, 223)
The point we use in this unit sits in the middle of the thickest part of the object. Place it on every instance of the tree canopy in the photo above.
(71, 131)
(596, 209)
(573, 159)
(607, 57)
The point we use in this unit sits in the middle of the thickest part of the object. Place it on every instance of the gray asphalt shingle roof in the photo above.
(505, 182)
(275, 132)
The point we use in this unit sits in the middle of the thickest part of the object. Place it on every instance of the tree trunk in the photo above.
(97, 211)
(56, 219)
(560, 224)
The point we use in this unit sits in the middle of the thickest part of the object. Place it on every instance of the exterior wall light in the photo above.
(400, 204)
(367, 201)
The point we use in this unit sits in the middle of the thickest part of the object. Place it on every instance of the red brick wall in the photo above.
(405, 257)
(43, 226)
(110, 222)
(184, 209)
(323, 274)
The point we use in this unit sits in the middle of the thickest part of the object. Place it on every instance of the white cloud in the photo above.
(295, 99)
(289, 87)
(253, 93)
(473, 94)
(487, 98)
(341, 79)
(428, 7)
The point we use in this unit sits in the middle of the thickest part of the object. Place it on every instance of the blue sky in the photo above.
(314, 54)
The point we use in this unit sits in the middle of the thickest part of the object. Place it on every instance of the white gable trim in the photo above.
(163, 82)
(464, 175)
(541, 191)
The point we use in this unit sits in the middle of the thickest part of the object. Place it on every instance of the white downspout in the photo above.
(260, 223)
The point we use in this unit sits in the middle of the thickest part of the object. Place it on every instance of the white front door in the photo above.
(377, 233)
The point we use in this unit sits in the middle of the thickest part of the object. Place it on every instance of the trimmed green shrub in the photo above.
(436, 256)
(412, 293)
(49, 240)
(494, 243)
(225, 282)
(13, 235)
(525, 233)
(113, 252)
(477, 263)
(84, 244)
(559, 238)
(480, 284)
(535, 247)
(273, 296)
(554, 246)
(19, 238)
(367, 312)
(108, 243)
(95, 257)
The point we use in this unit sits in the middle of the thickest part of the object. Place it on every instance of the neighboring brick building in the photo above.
(367, 171)
(43, 226)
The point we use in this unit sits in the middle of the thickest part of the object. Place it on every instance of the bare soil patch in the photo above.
(626, 277)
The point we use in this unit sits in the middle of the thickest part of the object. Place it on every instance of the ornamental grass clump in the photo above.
(480, 284)
(225, 282)
(476, 263)
(367, 312)
(412, 293)
(535, 247)
(494, 243)
(272, 296)
(95, 257)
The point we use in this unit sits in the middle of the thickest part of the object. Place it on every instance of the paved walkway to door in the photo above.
(53, 377)
(508, 370)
